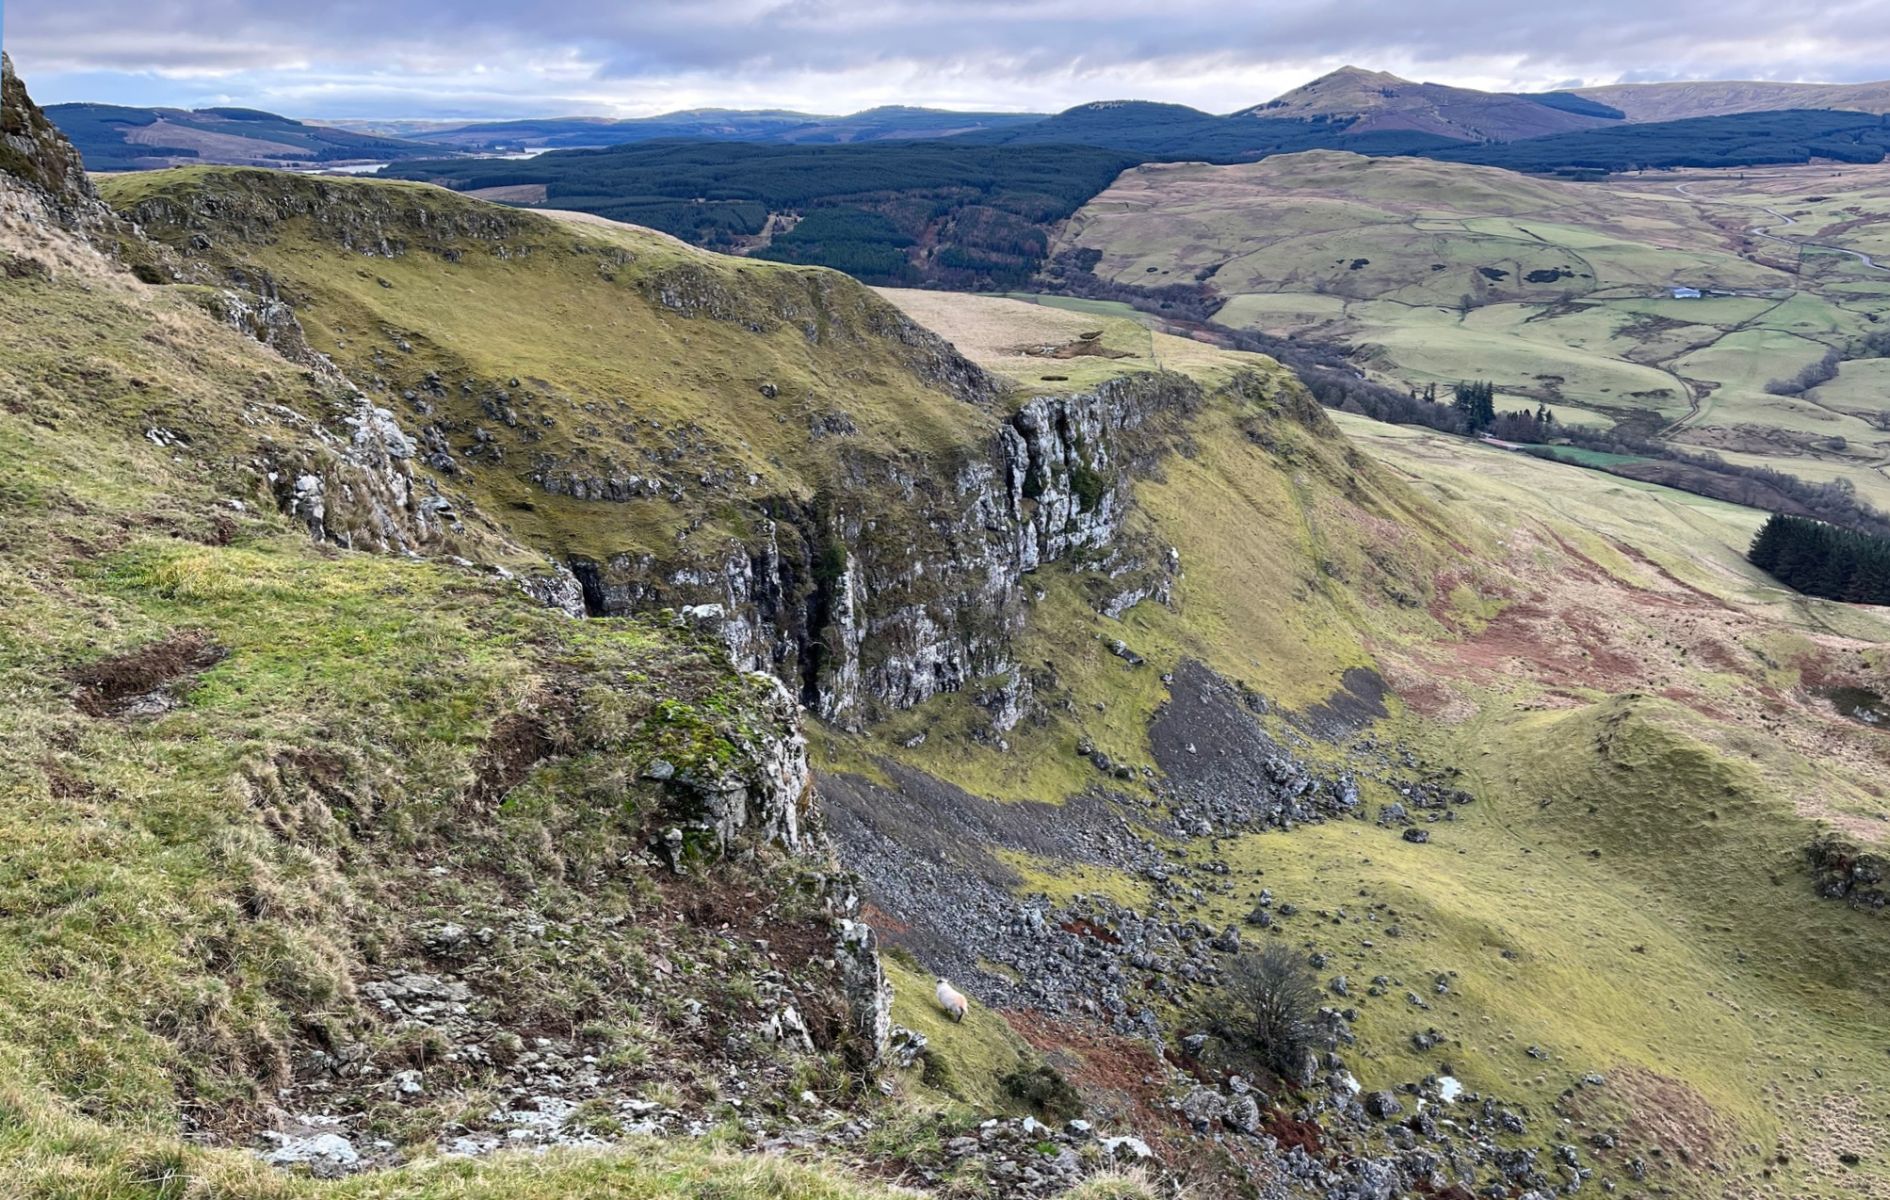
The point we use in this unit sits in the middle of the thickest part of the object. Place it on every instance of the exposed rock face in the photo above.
(900, 579)
(556, 588)
(357, 488)
(270, 322)
(865, 605)
(1844, 871)
(765, 792)
(34, 152)
(869, 993)
(43, 186)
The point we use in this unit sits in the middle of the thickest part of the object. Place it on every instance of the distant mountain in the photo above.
(1370, 112)
(114, 138)
(776, 126)
(1377, 102)
(1174, 131)
(1678, 101)
(1367, 112)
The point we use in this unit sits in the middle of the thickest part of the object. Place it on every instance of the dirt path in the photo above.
(1765, 231)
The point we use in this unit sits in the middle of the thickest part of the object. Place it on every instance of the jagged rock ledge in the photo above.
(904, 585)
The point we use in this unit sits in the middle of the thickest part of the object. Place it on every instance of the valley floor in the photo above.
(1562, 294)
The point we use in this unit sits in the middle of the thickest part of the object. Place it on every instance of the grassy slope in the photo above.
(1023, 344)
(56, 1158)
(611, 379)
(1736, 1014)
(187, 895)
(1391, 255)
(1302, 558)
(1291, 546)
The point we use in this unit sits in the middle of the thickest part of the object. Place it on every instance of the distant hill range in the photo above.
(1369, 112)
(115, 138)
(1680, 101)
(771, 126)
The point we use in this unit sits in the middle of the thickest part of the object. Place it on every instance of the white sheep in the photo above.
(951, 1000)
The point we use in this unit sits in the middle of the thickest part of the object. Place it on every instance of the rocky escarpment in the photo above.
(43, 185)
(717, 823)
(455, 872)
(913, 578)
(36, 154)
(214, 227)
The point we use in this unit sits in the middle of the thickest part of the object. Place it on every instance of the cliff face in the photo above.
(34, 153)
(436, 814)
(901, 584)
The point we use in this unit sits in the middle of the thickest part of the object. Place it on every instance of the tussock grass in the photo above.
(48, 1156)
(190, 892)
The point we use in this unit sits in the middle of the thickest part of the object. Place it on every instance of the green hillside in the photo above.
(1360, 573)
(251, 775)
(1635, 709)
(1074, 658)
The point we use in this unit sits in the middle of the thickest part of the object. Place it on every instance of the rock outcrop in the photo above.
(36, 154)
(868, 585)
(43, 186)
(904, 585)
(355, 487)
(1843, 870)
(270, 321)
(869, 993)
(764, 791)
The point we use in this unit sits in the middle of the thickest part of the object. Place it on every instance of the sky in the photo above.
(516, 58)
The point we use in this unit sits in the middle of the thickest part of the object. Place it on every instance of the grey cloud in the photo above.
(1011, 48)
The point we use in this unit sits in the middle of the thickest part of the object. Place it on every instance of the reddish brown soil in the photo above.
(1118, 1076)
(518, 742)
(1662, 1112)
(109, 687)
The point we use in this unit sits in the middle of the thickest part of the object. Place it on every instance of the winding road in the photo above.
(1765, 231)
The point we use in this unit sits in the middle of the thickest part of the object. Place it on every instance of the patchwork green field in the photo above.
(1561, 293)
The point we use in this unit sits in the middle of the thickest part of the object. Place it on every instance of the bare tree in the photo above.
(1272, 1007)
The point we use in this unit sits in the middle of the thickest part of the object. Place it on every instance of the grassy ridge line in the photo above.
(585, 350)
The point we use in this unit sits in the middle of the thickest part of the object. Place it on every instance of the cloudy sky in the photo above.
(415, 58)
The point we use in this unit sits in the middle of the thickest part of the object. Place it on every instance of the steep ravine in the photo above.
(380, 855)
